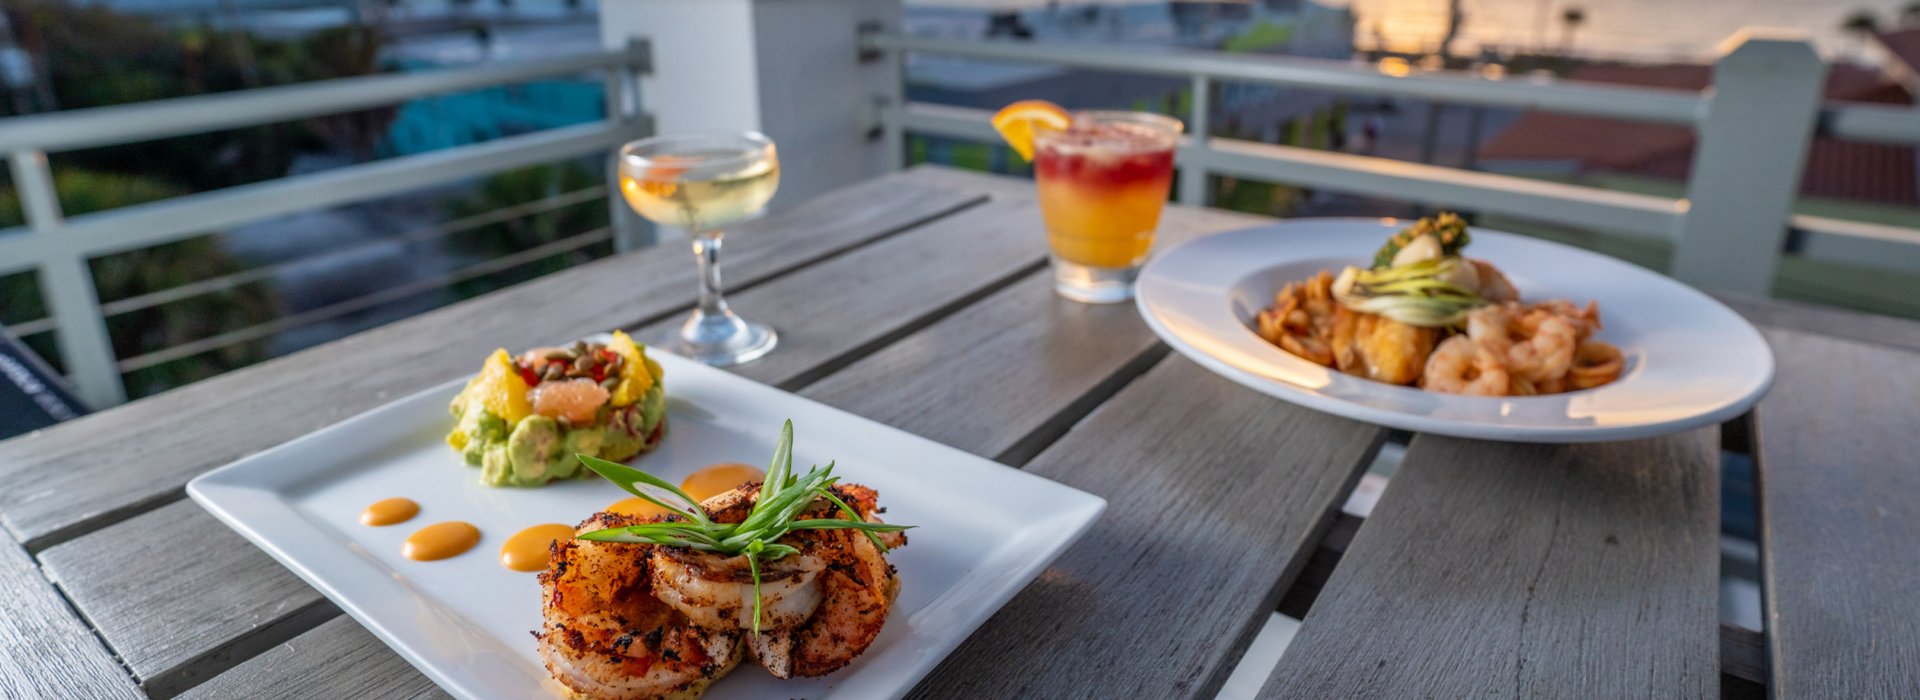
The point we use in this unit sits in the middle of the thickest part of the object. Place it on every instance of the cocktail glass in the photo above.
(1103, 182)
(701, 182)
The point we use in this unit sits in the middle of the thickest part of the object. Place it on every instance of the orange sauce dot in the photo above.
(527, 550)
(441, 540)
(637, 507)
(717, 479)
(389, 511)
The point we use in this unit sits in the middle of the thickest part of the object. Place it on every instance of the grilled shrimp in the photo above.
(1547, 353)
(607, 637)
(1459, 366)
(1536, 346)
(1493, 284)
(716, 591)
(858, 589)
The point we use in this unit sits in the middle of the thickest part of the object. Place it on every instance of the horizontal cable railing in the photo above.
(1667, 106)
(368, 301)
(1741, 95)
(264, 273)
(59, 247)
(419, 235)
(146, 225)
(143, 121)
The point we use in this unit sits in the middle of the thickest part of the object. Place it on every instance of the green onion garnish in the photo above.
(783, 496)
(1416, 294)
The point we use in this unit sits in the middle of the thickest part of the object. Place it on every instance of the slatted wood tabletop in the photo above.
(921, 300)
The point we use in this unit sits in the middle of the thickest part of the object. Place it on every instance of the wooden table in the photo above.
(921, 300)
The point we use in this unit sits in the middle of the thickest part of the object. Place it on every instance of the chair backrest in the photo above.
(32, 396)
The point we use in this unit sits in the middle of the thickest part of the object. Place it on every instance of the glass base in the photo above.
(720, 340)
(1093, 285)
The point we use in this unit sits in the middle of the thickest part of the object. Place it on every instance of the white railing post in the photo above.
(889, 107)
(624, 108)
(788, 68)
(1760, 116)
(67, 288)
(1193, 174)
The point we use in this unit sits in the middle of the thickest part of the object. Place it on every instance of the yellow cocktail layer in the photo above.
(1102, 225)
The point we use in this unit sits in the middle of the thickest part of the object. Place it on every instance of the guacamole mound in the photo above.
(620, 415)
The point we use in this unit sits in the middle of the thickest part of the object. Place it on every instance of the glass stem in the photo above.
(706, 249)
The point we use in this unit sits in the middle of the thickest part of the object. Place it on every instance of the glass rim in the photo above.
(1150, 119)
(755, 147)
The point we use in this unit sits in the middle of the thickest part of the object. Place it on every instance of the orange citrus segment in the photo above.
(500, 388)
(635, 376)
(1018, 122)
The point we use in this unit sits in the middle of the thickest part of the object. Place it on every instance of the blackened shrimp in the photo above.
(607, 637)
(857, 590)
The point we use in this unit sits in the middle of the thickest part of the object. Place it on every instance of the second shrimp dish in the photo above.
(1422, 314)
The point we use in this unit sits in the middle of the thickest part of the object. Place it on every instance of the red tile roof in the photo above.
(1838, 169)
(1904, 44)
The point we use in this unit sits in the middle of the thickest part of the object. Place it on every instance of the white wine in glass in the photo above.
(702, 182)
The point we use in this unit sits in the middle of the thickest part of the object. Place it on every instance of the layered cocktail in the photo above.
(1103, 179)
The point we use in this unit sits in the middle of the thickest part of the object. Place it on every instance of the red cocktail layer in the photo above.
(1105, 154)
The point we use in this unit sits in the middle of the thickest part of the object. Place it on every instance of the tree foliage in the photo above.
(133, 273)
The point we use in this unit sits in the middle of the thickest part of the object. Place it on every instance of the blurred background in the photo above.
(272, 287)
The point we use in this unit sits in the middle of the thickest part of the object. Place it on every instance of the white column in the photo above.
(1746, 167)
(788, 68)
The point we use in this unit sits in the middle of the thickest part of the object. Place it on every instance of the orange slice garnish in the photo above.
(1018, 122)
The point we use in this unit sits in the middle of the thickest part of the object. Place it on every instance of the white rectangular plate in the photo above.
(984, 530)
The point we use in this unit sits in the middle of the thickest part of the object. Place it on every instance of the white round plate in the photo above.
(1691, 361)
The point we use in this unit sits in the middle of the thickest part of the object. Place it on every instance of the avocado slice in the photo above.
(496, 469)
(531, 448)
(580, 441)
(652, 408)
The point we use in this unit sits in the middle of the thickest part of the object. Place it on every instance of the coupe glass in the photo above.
(701, 182)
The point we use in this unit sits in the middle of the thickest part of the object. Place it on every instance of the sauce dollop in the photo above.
(441, 540)
(637, 507)
(389, 512)
(716, 479)
(527, 550)
(707, 482)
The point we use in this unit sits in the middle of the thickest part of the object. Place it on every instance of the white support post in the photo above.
(1194, 175)
(889, 108)
(1746, 167)
(66, 287)
(791, 69)
(630, 231)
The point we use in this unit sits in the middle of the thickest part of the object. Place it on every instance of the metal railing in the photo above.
(1729, 231)
(58, 247)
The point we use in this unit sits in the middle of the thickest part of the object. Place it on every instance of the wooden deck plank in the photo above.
(1839, 470)
(1507, 570)
(180, 596)
(1826, 320)
(48, 652)
(62, 480)
(339, 659)
(1030, 362)
(1216, 496)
